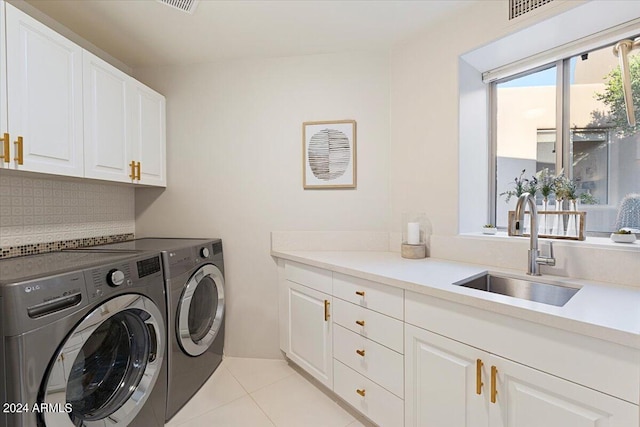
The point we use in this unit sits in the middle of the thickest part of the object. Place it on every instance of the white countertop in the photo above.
(602, 311)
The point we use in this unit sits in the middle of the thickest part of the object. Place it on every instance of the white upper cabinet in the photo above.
(107, 121)
(44, 93)
(70, 113)
(149, 139)
(124, 126)
(3, 94)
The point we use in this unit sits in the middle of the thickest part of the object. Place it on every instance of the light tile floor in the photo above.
(263, 392)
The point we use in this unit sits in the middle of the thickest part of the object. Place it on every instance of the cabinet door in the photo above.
(3, 88)
(107, 121)
(310, 331)
(44, 91)
(441, 382)
(530, 398)
(149, 139)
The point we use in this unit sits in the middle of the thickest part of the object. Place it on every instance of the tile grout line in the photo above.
(266, 385)
(186, 422)
(262, 410)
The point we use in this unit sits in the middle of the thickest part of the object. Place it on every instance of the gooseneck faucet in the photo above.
(535, 259)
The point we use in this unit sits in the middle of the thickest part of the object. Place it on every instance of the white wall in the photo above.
(234, 158)
(424, 111)
(424, 115)
(426, 138)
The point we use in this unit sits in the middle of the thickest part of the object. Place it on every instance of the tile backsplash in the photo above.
(37, 210)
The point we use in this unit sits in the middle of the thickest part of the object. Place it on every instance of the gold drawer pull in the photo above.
(132, 165)
(361, 391)
(5, 153)
(139, 166)
(494, 388)
(326, 310)
(360, 322)
(479, 376)
(360, 352)
(19, 151)
(360, 293)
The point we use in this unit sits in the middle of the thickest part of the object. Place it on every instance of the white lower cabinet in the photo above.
(375, 402)
(310, 338)
(376, 362)
(448, 383)
(408, 359)
(529, 398)
(441, 382)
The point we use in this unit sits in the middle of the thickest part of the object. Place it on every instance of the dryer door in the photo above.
(107, 366)
(200, 310)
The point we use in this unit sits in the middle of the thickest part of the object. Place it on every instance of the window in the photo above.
(568, 117)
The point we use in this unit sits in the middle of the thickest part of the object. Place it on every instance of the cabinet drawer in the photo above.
(312, 277)
(377, 404)
(374, 296)
(373, 325)
(376, 362)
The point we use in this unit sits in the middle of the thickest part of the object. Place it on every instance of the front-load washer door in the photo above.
(107, 366)
(200, 310)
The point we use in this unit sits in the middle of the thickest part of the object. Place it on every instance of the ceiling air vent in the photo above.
(520, 7)
(188, 6)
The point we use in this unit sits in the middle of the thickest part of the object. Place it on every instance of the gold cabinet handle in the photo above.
(360, 322)
(479, 383)
(361, 391)
(132, 165)
(5, 153)
(19, 151)
(360, 352)
(494, 388)
(360, 293)
(326, 310)
(139, 166)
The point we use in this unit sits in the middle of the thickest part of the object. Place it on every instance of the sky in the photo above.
(541, 78)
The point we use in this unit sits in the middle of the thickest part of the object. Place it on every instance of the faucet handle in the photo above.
(550, 249)
(547, 260)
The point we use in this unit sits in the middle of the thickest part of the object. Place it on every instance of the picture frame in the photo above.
(329, 154)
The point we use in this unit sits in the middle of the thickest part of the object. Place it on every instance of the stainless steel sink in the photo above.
(546, 293)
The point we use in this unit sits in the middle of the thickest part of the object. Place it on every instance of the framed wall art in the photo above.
(329, 154)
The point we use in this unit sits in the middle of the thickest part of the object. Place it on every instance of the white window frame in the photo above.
(602, 22)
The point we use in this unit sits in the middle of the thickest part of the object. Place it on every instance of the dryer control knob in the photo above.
(115, 277)
(204, 252)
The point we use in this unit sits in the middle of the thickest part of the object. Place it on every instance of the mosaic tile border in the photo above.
(41, 248)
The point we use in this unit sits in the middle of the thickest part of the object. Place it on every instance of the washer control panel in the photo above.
(148, 266)
(103, 281)
(115, 277)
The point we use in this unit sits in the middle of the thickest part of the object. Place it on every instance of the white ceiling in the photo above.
(143, 33)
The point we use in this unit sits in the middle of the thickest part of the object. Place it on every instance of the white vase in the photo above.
(543, 227)
(558, 220)
(572, 224)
